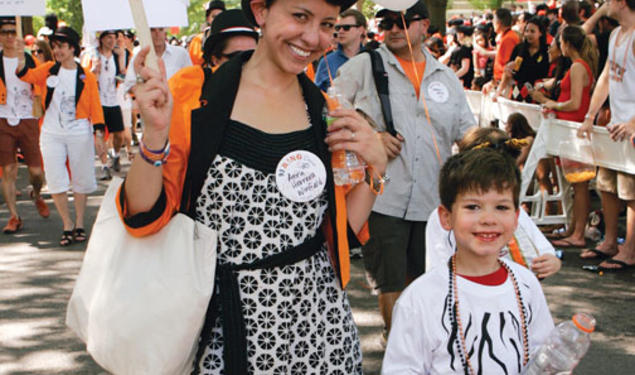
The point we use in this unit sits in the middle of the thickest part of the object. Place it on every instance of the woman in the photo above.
(529, 61)
(572, 104)
(42, 51)
(435, 46)
(481, 62)
(461, 59)
(518, 128)
(73, 113)
(257, 110)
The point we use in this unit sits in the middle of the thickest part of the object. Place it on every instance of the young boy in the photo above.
(480, 314)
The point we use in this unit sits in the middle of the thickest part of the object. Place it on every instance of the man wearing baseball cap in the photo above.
(18, 126)
(430, 113)
(108, 67)
(230, 34)
(213, 9)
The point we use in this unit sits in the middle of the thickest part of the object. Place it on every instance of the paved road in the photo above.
(37, 277)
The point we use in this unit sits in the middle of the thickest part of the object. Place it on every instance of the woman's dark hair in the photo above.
(586, 8)
(576, 38)
(519, 126)
(434, 43)
(44, 46)
(540, 24)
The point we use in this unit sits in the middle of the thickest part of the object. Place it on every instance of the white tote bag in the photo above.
(139, 303)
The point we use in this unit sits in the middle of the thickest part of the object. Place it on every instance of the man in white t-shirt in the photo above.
(18, 127)
(617, 82)
(108, 67)
(175, 58)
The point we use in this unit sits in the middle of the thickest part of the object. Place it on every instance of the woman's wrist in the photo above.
(154, 140)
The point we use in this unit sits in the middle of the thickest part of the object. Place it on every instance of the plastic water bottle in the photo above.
(348, 169)
(565, 347)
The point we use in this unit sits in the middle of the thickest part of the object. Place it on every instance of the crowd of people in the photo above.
(440, 229)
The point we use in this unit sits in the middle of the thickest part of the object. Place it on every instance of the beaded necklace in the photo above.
(455, 317)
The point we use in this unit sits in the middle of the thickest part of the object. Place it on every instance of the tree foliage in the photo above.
(68, 11)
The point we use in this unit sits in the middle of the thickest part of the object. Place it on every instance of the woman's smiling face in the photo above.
(295, 32)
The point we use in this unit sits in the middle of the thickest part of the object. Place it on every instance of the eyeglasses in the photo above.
(37, 51)
(345, 27)
(8, 32)
(387, 23)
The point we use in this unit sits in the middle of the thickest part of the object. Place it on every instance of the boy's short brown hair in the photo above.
(478, 170)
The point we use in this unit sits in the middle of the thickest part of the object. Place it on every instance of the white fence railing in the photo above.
(549, 139)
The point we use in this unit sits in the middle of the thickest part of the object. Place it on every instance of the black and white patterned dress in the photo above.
(298, 319)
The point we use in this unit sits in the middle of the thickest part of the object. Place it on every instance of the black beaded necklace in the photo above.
(455, 317)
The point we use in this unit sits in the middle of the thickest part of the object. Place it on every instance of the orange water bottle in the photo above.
(348, 169)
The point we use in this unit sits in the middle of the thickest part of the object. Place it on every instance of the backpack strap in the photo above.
(381, 82)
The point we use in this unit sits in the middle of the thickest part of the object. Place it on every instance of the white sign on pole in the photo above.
(22, 8)
(115, 14)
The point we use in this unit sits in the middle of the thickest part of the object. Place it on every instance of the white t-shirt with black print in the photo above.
(59, 118)
(107, 83)
(422, 339)
(19, 100)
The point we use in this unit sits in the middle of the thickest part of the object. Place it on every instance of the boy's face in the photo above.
(483, 223)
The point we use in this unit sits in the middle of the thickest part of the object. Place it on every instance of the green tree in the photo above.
(196, 15)
(69, 11)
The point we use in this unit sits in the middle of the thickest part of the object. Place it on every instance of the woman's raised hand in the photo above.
(351, 132)
(153, 99)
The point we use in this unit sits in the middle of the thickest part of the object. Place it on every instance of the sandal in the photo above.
(623, 266)
(595, 254)
(79, 235)
(67, 238)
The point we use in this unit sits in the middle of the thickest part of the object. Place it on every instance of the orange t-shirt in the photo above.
(410, 72)
(504, 52)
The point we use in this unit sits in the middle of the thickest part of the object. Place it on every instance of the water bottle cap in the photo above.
(584, 322)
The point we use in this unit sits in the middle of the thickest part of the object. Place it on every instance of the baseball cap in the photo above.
(107, 32)
(214, 4)
(227, 24)
(418, 9)
(68, 35)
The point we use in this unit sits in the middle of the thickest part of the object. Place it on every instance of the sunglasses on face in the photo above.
(37, 51)
(387, 23)
(344, 27)
(8, 32)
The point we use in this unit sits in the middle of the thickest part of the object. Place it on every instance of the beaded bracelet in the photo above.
(155, 152)
(158, 157)
(156, 162)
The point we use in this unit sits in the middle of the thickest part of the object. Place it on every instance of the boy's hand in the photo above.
(545, 265)
(391, 144)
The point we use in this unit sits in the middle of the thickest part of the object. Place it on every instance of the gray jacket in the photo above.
(412, 193)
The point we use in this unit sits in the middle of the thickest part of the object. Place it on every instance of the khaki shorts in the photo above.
(395, 252)
(615, 182)
(26, 136)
